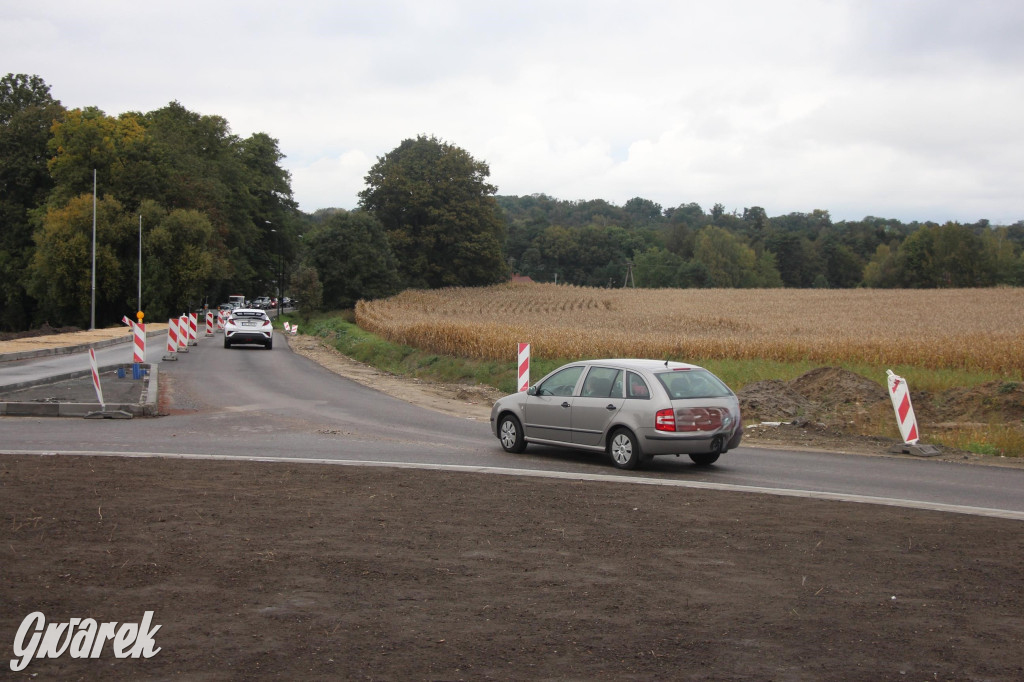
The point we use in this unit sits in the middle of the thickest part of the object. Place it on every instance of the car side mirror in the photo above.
(531, 391)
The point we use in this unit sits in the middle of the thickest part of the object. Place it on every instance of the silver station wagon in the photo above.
(631, 409)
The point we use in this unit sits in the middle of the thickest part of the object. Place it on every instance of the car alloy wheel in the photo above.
(510, 433)
(624, 449)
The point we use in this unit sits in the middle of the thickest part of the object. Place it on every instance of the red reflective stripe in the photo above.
(904, 408)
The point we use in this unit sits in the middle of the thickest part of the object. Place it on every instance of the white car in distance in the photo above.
(248, 326)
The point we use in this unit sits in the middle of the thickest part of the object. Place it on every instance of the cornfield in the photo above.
(967, 329)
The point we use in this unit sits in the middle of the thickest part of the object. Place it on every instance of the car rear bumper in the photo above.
(248, 337)
(667, 443)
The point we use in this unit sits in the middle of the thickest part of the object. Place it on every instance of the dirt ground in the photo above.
(276, 570)
(282, 571)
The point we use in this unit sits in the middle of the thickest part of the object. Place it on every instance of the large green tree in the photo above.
(61, 269)
(658, 268)
(27, 112)
(439, 212)
(729, 262)
(353, 259)
(181, 260)
(949, 255)
(183, 161)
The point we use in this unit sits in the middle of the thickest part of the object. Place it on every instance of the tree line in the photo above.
(596, 243)
(217, 216)
(214, 215)
(215, 210)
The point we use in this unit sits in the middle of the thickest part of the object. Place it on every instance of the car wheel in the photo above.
(510, 433)
(705, 458)
(624, 449)
(270, 344)
(227, 344)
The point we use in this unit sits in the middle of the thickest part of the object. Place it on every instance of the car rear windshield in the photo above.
(693, 383)
(251, 315)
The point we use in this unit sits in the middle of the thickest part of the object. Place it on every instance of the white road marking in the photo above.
(603, 478)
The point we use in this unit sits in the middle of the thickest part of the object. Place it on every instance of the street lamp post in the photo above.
(280, 268)
(92, 304)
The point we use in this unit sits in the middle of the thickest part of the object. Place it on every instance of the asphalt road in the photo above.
(250, 402)
(35, 369)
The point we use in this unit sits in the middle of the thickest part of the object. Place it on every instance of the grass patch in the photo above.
(398, 359)
(994, 439)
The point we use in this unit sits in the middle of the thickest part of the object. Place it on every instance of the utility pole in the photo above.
(629, 281)
(92, 306)
(140, 262)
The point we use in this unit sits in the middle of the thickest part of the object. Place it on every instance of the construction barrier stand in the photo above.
(139, 353)
(172, 339)
(899, 393)
(183, 334)
(96, 378)
(524, 366)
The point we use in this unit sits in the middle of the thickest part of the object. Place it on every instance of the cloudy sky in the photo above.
(908, 109)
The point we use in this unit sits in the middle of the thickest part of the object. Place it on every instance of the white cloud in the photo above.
(903, 110)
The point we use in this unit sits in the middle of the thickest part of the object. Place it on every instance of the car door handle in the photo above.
(611, 408)
(565, 404)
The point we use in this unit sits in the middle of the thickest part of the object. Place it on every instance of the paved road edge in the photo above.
(599, 478)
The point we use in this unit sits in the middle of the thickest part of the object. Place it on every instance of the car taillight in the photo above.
(266, 322)
(665, 420)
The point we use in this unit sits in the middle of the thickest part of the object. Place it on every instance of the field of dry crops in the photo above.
(969, 329)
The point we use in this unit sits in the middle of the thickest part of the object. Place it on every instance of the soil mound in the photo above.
(772, 400)
(44, 330)
(1001, 401)
(839, 398)
(828, 395)
(834, 386)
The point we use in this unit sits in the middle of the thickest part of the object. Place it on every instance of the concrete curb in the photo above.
(66, 350)
(146, 407)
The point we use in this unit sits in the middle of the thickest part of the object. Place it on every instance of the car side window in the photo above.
(601, 383)
(636, 387)
(561, 383)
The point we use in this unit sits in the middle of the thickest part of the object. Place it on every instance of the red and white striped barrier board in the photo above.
(183, 334)
(294, 330)
(900, 395)
(172, 339)
(193, 329)
(524, 366)
(139, 355)
(96, 378)
(127, 321)
(209, 323)
(287, 326)
(221, 319)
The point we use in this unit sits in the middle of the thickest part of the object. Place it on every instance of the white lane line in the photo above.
(601, 478)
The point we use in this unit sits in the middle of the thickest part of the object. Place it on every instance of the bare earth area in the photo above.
(282, 571)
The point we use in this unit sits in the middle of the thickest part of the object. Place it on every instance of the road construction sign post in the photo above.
(172, 339)
(103, 413)
(899, 393)
(139, 354)
(524, 366)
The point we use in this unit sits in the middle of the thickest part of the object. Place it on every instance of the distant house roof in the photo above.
(521, 278)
